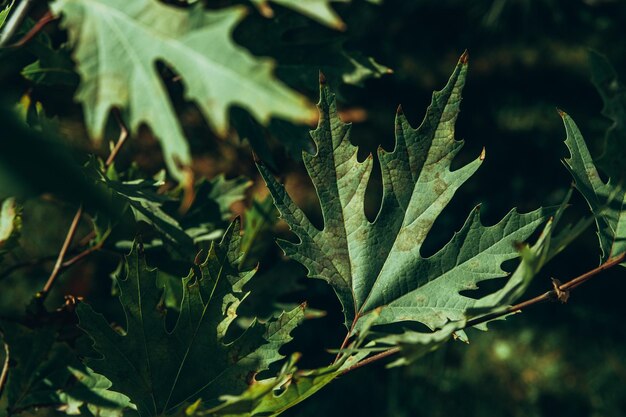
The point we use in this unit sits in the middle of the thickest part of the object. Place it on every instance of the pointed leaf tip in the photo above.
(464, 59)
(400, 110)
(561, 112)
(322, 78)
(482, 154)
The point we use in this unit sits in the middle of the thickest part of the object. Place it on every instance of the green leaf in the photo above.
(272, 396)
(161, 370)
(4, 13)
(319, 10)
(413, 345)
(259, 221)
(45, 372)
(533, 259)
(607, 200)
(91, 385)
(54, 68)
(147, 206)
(118, 43)
(291, 386)
(378, 265)
(211, 207)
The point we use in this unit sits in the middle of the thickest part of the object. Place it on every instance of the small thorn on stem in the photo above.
(561, 295)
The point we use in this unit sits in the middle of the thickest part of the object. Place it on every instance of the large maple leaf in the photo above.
(161, 370)
(117, 44)
(378, 266)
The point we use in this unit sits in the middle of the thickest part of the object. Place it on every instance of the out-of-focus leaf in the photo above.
(10, 225)
(146, 206)
(210, 210)
(92, 386)
(413, 345)
(115, 48)
(162, 370)
(54, 69)
(45, 372)
(32, 164)
(303, 50)
(320, 10)
(4, 13)
(258, 223)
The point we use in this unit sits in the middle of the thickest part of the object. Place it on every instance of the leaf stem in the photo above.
(120, 140)
(41, 23)
(346, 339)
(548, 295)
(5, 368)
(367, 361)
(59, 262)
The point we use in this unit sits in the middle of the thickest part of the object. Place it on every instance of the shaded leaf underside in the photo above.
(161, 370)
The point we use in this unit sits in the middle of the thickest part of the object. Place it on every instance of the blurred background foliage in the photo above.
(527, 57)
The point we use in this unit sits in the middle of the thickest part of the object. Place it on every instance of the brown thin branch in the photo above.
(120, 140)
(548, 295)
(570, 285)
(83, 254)
(39, 25)
(347, 338)
(59, 262)
(367, 361)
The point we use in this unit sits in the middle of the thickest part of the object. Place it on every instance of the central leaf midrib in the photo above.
(195, 333)
(335, 184)
(431, 138)
(222, 372)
